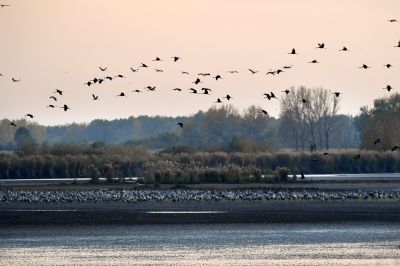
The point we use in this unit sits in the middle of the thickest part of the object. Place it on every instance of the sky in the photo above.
(60, 44)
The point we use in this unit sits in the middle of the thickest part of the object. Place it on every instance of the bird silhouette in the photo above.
(109, 78)
(320, 46)
(337, 94)
(197, 81)
(59, 92)
(120, 76)
(4, 5)
(267, 96)
(377, 141)
(177, 89)
(185, 73)
(134, 70)
(233, 72)
(88, 83)
(180, 124)
(217, 77)
(151, 88)
(50, 106)
(264, 112)
(388, 65)
(157, 59)
(95, 98)
(218, 101)
(204, 74)
(273, 95)
(228, 97)
(122, 94)
(326, 154)
(388, 88)
(29, 115)
(293, 51)
(314, 62)
(12, 124)
(193, 90)
(395, 148)
(271, 73)
(65, 107)
(278, 71)
(144, 65)
(392, 20)
(304, 100)
(286, 91)
(253, 71)
(103, 68)
(176, 58)
(287, 67)
(15, 80)
(205, 90)
(398, 45)
(136, 91)
(159, 70)
(53, 97)
(364, 66)
(344, 49)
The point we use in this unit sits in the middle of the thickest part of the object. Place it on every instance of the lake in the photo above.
(199, 244)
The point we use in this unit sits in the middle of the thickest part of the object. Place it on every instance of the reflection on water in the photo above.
(225, 244)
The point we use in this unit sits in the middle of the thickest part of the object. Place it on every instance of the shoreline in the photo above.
(151, 212)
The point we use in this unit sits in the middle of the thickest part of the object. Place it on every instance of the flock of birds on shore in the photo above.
(198, 80)
(135, 196)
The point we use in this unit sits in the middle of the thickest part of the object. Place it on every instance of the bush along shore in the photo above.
(188, 167)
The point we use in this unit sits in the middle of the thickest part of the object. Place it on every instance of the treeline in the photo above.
(185, 166)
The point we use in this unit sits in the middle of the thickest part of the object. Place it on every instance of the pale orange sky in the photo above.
(59, 44)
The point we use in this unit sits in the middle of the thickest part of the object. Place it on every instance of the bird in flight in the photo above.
(204, 74)
(88, 83)
(180, 124)
(65, 107)
(398, 45)
(176, 58)
(136, 91)
(337, 94)
(157, 59)
(134, 70)
(103, 68)
(218, 101)
(287, 67)
(150, 88)
(344, 49)
(228, 97)
(233, 72)
(392, 20)
(53, 97)
(12, 124)
(159, 70)
(217, 77)
(197, 81)
(278, 71)
(122, 94)
(3, 5)
(95, 98)
(314, 62)
(29, 115)
(193, 91)
(144, 65)
(185, 73)
(59, 92)
(253, 71)
(119, 76)
(377, 141)
(205, 90)
(109, 78)
(395, 148)
(364, 66)
(320, 46)
(388, 65)
(177, 89)
(304, 100)
(264, 112)
(388, 88)
(15, 80)
(50, 106)
(271, 72)
(286, 91)
(293, 51)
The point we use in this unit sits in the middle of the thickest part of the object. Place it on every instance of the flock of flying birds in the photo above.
(197, 88)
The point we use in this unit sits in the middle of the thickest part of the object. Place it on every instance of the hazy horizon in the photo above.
(61, 44)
